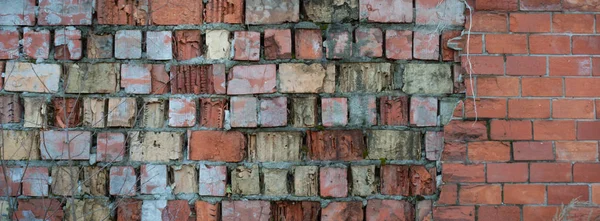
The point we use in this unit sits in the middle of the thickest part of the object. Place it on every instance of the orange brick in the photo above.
(523, 65)
(542, 87)
(576, 151)
(528, 108)
(475, 44)
(506, 43)
(572, 23)
(510, 130)
(575, 109)
(489, 65)
(454, 151)
(582, 87)
(586, 44)
(524, 193)
(497, 5)
(570, 66)
(596, 66)
(549, 44)
(586, 173)
(488, 151)
(596, 194)
(539, 213)
(488, 22)
(498, 213)
(533, 151)
(480, 194)
(564, 194)
(530, 22)
(540, 5)
(554, 130)
(497, 86)
(448, 194)
(597, 109)
(486, 108)
(550, 172)
(461, 173)
(507, 172)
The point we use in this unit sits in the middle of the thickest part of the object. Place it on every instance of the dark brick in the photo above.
(346, 145)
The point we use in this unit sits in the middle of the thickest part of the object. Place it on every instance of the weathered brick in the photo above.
(43, 209)
(434, 144)
(212, 112)
(389, 210)
(18, 14)
(393, 145)
(2, 64)
(422, 180)
(110, 147)
(330, 11)
(36, 44)
(426, 45)
(67, 44)
(423, 111)
(306, 181)
(246, 46)
(424, 210)
(364, 77)
(506, 5)
(158, 45)
(136, 78)
(185, 179)
(11, 182)
(387, 11)
(449, 54)
(303, 78)
(308, 44)
(275, 181)
(65, 181)
(573, 23)
(122, 12)
(369, 42)
(364, 182)
(293, 210)
(65, 12)
(447, 12)
(393, 111)
(246, 210)
(347, 145)
(129, 209)
(11, 110)
(217, 42)
(338, 44)
(35, 181)
(197, 79)
(176, 12)
(334, 111)
(427, 79)
(121, 112)
(333, 182)
(100, 46)
(252, 79)
(273, 112)
(465, 131)
(581, 6)
(9, 48)
(128, 44)
(540, 5)
(95, 181)
(272, 11)
(92, 78)
(363, 110)
(206, 211)
(349, 211)
(217, 11)
(212, 180)
(398, 44)
(123, 181)
(154, 209)
(395, 180)
(153, 179)
(278, 44)
(93, 112)
(187, 44)
(65, 145)
(217, 145)
(244, 111)
(29, 77)
(88, 209)
(245, 180)
(154, 113)
(275, 146)
(67, 112)
(160, 79)
(182, 112)
(304, 111)
(155, 146)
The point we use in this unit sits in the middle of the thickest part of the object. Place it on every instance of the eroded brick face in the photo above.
(198, 79)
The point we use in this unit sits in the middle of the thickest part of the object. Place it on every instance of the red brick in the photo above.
(65, 12)
(198, 79)
(497, 87)
(465, 213)
(524, 194)
(549, 44)
(550, 172)
(10, 183)
(9, 44)
(39, 209)
(541, 5)
(122, 13)
(496, 5)
(369, 42)
(36, 44)
(426, 46)
(67, 112)
(247, 80)
(434, 144)
(206, 211)
(309, 44)
(393, 110)
(586, 45)
(246, 46)
(539, 213)
(486, 108)
(333, 182)
(217, 146)
(187, 44)
(386, 11)
(160, 78)
(530, 22)
(488, 151)
(292, 210)
(465, 131)
(582, 87)
(528, 108)
(563, 194)
(349, 211)
(581, 6)
(243, 112)
(499, 213)
(67, 44)
(22, 14)
(176, 12)
(473, 44)
(11, 110)
(448, 194)
(507, 172)
(278, 44)
(218, 11)
(596, 194)
(570, 66)
(334, 111)
(273, 112)
(584, 213)
(63, 145)
(596, 64)
(2, 78)
(35, 181)
(586, 172)
(573, 23)
(423, 111)
(398, 44)
(110, 147)
(123, 181)
(326, 145)
(533, 151)
(554, 130)
(176, 210)
(506, 43)
(575, 109)
(129, 209)
(480, 194)
(422, 180)
(395, 180)
(389, 210)
(488, 22)
(488, 65)
(522, 65)
(454, 151)
(510, 130)
(212, 112)
(182, 112)
(339, 44)
(448, 54)
(461, 173)
(242, 210)
(542, 87)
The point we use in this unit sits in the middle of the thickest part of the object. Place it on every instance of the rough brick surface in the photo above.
(177, 12)
(272, 11)
(204, 145)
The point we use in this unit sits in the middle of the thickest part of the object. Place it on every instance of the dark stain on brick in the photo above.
(344, 145)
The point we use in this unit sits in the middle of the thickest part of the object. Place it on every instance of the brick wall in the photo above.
(296, 110)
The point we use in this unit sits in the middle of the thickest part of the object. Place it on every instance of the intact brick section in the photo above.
(217, 146)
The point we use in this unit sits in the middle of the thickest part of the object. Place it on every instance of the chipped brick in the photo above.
(245, 180)
(334, 111)
(395, 180)
(11, 110)
(309, 44)
(275, 181)
(160, 79)
(333, 182)
(18, 14)
(198, 79)
(153, 179)
(277, 44)
(67, 112)
(252, 79)
(398, 44)
(136, 78)
(65, 181)
(423, 111)
(393, 111)
(422, 180)
(36, 181)
(128, 44)
(36, 44)
(246, 46)
(304, 111)
(330, 11)
(19, 145)
(349, 211)
(11, 182)
(40, 209)
(93, 112)
(363, 110)
(187, 44)
(176, 12)
(303, 78)
(65, 12)
(125, 12)
(129, 210)
(396, 145)
(65, 145)
(88, 209)
(154, 113)
(41, 78)
(306, 181)
(110, 147)
(386, 11)
(426, 46)
(206, 211)
(275, 146)
(338, 44)
(182, 112)
(272, 11)
(123, 181)
(9, 44)
(346, 145)
(217, 146)
(155, 146)
(224, 11)
(212, 112)
(217, 42)
(67, 44)
(246, 210)
(293, 210)
(364, 77)
(244, 111)
(369, 42)
(176, 210)
(434, 144)
(185, 179)
(92, 78)
(121, 112)
(212, 180)
(364, 182)
(389, 210)
(273, 112)
(427, 79)
(95, 181)
(158, 45)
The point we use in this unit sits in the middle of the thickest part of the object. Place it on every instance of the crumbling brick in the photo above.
(306, 181)
(11, 110)
(222, 11)
(65, 12)
(194, 79)
(155, 146)
(95, 181)
(124, 12)
(67, 112)
(176, 12)
(36, 44)
(364, 77)
(304, 111)
(364, 182)
(68, 44)
(92, 78)
(245, 180)
(187, 44)
(275, 146)
(338, 44)
(29, 77)
(346, 145)
(154, 113)
(18, 14)
(43, 209)
(369, 42)
(65, 181)
(93, 112)
(20, 145)
(330, 11)
(121, 112)
(212, 112)
(206, 211)
(351, 211)
(303, 78)
(185, 179)
(36, 110)
(395, 180)
(129, 209)
(278, 44)
(292, 210)
(398, 145)
(272, 11)
(65, 145)
(393, 110)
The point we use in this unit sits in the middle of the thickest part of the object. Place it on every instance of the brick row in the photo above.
(519, 129)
